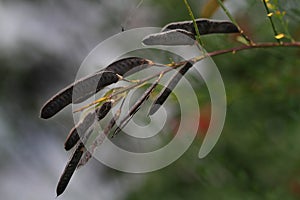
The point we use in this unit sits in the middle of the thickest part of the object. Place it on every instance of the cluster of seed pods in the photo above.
(176, 33)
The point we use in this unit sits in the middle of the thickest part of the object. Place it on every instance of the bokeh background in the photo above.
(42, 44)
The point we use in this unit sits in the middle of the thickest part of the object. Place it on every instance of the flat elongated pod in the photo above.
(78, 92)
(162, 97)
(205, 26)
(88, 86)
(170, 37)
(218, 26)
(84, 124)
(57, 102)
(69, 169)
(78, 130)
(103, 110)
(127, 66)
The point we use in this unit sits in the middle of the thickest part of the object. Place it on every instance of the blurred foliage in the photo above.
(256, 156)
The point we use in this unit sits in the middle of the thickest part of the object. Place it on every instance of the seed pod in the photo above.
(100, 138)
(128, 66)
(205, 26)
(79, 91)
(216, 26)
(162, 97)
(170, 37)
(86, 87)
(83, 126)
(57, 102)
(80, 128)
(69, 169)
(103, 110)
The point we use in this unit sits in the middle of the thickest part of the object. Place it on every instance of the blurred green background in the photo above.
(41, 47)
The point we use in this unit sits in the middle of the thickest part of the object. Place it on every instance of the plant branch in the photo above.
(195, 24)
(173, 66)
(211, 54)
(235, 23)
(271, 21)
(258, 45)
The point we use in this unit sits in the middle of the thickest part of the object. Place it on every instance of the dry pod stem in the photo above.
(162, 97)
(99, 140)
(136, 106)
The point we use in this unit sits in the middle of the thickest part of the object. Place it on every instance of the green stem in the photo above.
(235, 23)
(195, 24)
(286, 29)
(271, 21)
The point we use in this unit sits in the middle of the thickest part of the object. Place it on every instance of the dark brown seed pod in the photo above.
(128, 66)
(78, 130)
(83, 126)
(88, 86)
(205, 26)
(216, 26)
(170, 37)
(162, 97)
(78, 92)
(69, 169)
(103, 110)
(57, 102)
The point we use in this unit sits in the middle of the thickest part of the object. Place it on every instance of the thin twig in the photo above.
(213, 53)
(271, 21)
(258, 45)
(137, 105)
(235, 23)
(195, 24)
